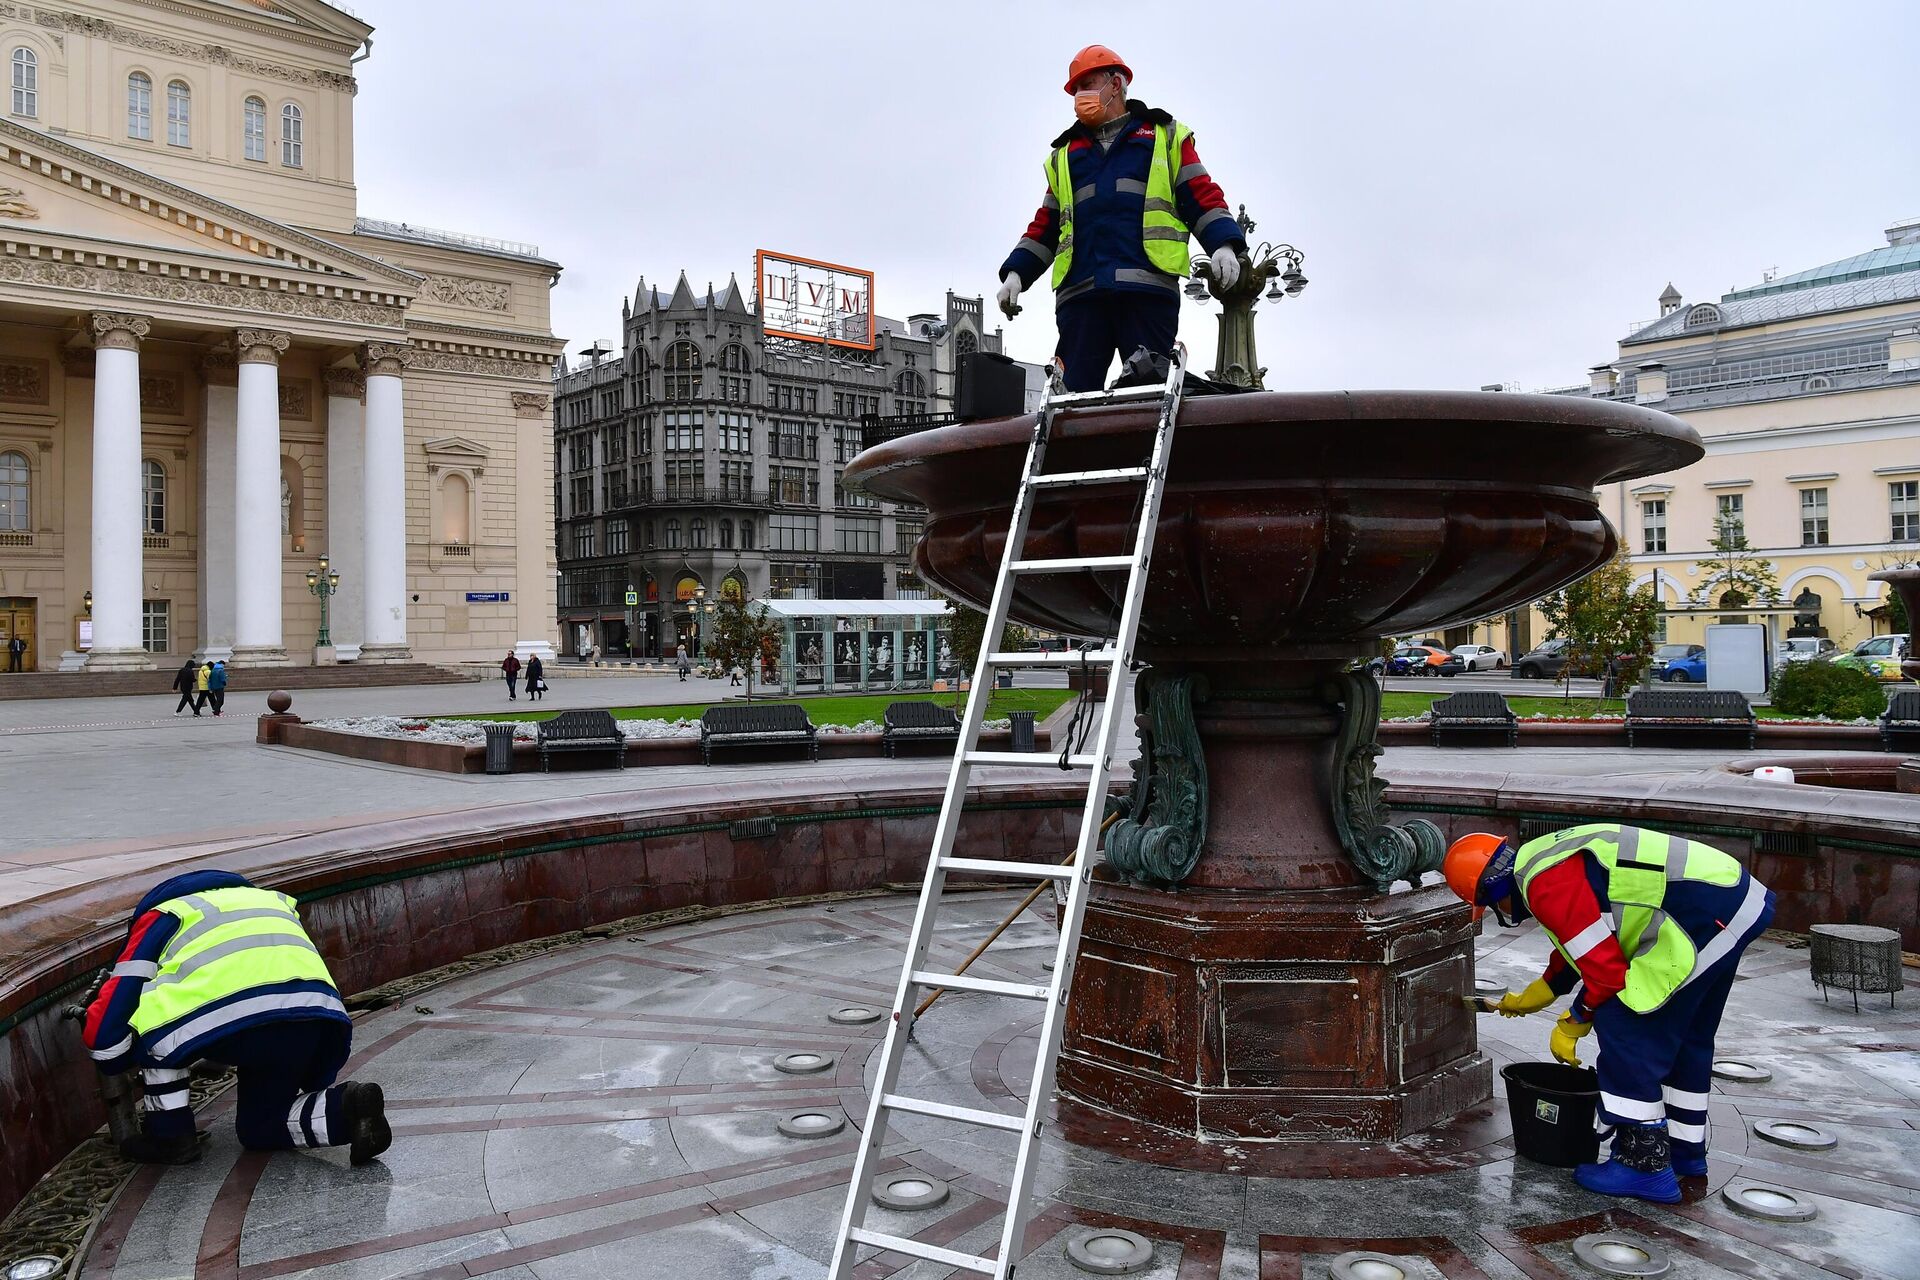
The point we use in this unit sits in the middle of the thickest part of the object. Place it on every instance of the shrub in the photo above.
(1823, 689)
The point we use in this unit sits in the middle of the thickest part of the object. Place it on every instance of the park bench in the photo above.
(917, 722)
(1705, 710)
(1902, 717)
(581, 731)
(1475, 711)
(756, 725)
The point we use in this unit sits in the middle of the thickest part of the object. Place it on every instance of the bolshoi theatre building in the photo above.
(214, 372)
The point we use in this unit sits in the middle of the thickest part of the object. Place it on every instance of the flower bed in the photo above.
(473, 733)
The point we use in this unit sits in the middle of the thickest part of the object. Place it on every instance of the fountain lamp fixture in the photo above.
(1275, 266)
(324, 583)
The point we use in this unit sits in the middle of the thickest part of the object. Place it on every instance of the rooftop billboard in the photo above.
(813, 301)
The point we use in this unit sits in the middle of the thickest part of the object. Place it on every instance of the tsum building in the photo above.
(214, 372)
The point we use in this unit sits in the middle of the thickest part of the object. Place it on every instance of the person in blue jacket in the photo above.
(1125, 192)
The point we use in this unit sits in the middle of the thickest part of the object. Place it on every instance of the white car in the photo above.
(1806, 649)
(1480, 657)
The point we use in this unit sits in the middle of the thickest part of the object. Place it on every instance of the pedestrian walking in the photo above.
(680, 660)
(733, 674)
(183, 682)
(201, 678)
(536, 677)
(511, 668)
(16, 654)
(217, 686)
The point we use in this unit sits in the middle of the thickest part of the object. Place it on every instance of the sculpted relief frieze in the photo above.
(460, 291)
(162, 393)
(460, 362)
(134, 284)
(213, 54)
(23, 381)
(13, 204)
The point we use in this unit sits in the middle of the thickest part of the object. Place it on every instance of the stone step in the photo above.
(104, 684)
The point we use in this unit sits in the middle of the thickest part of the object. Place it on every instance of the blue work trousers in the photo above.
(1097, 326)
(283, 1097)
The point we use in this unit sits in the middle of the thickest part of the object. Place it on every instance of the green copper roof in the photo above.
(1889, 260)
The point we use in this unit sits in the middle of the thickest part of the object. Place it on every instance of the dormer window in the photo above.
(1702, 315)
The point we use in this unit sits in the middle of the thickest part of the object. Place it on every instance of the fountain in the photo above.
(1246, 975)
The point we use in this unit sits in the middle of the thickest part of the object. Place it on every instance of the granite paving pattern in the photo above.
(611, 1110)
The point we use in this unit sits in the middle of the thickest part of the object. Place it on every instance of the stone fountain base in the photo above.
(1242, 1016)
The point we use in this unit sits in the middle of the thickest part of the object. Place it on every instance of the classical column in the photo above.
(346, 506)
(535, 608)
(117, 541)
(256, 508)
(220, 373)
(385, 516)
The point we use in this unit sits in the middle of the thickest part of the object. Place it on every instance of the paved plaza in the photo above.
(612, 1109)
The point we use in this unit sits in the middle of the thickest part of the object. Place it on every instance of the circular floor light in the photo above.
(812, 1124)
(855, 1015)
(1740, 1071)
(1364, 1264)
(1110, 1252)
(1771, 1204)
(1618, 1255)
(909, 1191)
(805, 1063)
(1795, 1134)
(38, 1266)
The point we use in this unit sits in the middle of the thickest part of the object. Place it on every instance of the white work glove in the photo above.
(1008, 292)
(1226, 266)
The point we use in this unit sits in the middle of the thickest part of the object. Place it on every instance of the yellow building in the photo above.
(213, 371)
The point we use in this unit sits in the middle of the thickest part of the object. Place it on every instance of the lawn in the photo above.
(852, 709)
(1401, 705)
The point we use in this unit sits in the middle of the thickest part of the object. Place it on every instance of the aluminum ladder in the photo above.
(1116, 661)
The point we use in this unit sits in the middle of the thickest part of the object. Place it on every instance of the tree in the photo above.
(1739, 575)
(968, 631)
(1605, 618)
(744, 635)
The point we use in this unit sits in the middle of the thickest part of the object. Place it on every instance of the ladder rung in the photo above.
(916, 1249)
(1089, 477)
(985, 986)
(1068, 659)
(966, 1115)
(1070, 564)
(1031, 759)
(1124, 393)
(1011, 870)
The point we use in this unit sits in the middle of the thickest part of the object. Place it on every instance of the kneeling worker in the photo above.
(215, 968)
(1653, 925)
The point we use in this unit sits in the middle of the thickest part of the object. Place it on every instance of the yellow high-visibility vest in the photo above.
(1164, 235)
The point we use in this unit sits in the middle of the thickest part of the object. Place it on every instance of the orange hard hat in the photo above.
(1466, 862)
(1095, 57)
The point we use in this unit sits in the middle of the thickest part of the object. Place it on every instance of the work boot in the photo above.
(365, 1106)
(144, 1148)
(1689, 1158)
(1638, 1166)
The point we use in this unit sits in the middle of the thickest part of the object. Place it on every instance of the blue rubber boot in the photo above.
(1638, 1166)
(1689, 1158)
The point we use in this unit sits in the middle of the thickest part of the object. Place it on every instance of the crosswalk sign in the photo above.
(633, 598)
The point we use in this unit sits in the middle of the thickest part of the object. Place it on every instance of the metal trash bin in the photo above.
(1856, 958)
(1021, 723)
(499, 748)
(1004, 679)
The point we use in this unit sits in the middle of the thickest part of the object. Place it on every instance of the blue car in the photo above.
(1692, 669)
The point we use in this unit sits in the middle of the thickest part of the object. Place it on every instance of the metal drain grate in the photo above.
(1793, 844)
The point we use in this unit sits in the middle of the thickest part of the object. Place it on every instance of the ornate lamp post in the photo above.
(702, 608)
(323, 582)
(1273, 266)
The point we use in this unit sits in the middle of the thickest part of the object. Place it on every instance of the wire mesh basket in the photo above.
(1856, 958)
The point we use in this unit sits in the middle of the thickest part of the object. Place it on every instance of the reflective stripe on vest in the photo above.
(229, 941)
(1162, 233)
(1640, 864)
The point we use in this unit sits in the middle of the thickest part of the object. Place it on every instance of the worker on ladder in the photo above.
(1653, 926)
(215, 968)
(1125, 191)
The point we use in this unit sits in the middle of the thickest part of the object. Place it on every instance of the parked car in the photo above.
(1690, 668)
(1671, 653)
(1544, 662)
(1879, 657)
(1480, 657)
(1394, 665)
(1807, 649)
(1426, 660)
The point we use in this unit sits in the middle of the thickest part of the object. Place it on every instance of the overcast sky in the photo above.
(1485, 192)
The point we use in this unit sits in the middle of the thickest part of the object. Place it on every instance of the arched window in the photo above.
(16, 491)
(746, 535)
(964, 342)
(153, 497)
(683, 371)
(1702, 315)
(253, 128)
(726, 535)
(697, 532)
(454, 500)
(733, 358)
(910, 383)
(734, 386)
(672, 532)
(140, 107)
(292, 136)
(26, 83)
(179, 114)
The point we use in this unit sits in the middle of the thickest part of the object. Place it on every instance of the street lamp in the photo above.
(323, 582)
(1276, 266)
(700, 608)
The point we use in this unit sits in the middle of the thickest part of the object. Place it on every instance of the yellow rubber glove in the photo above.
(1566, 1039)
(1536, 997)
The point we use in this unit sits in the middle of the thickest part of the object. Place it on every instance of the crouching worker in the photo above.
(215, 968)
(1652, 927)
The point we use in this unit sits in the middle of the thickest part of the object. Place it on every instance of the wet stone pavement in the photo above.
(613, 1110)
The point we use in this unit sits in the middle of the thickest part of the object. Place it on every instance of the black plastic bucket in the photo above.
(1553, 1107)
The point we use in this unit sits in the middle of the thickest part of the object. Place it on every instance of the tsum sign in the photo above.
(814, 301)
